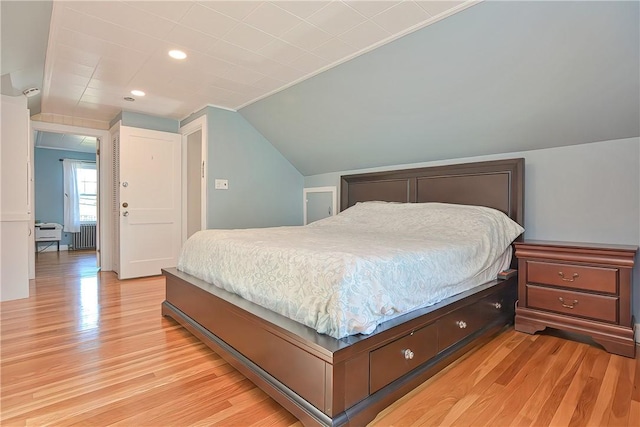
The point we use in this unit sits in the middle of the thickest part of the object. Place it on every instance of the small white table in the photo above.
(48, 232)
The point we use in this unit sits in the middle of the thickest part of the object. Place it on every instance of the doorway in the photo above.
(66, 193)
(194, 177)
(51, 144)
(318, 203)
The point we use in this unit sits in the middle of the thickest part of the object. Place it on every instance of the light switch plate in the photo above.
(221, 184)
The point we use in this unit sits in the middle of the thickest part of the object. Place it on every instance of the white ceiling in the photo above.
(238, 51)
(24, 32)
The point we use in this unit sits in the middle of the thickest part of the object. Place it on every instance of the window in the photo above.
(87, 192)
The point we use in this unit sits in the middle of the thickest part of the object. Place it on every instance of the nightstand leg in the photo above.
(526, 325)
(627, 348)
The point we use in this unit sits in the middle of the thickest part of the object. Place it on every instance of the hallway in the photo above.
(52, 264)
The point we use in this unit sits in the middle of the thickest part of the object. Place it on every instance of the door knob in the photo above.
(125, 205)
(125, 213)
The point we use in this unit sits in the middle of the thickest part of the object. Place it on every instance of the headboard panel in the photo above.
(497, 184)
(482, 189)
(388, 190)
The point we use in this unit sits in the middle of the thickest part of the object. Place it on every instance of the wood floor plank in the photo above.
(558, 359)
(534, 391)
(86, 349)
(519, 389)
(569, 405)
(604, 400)
(585, 403)
(550, 405)
(621, 405)
(635, 394)
(490, 401)
(634, 413)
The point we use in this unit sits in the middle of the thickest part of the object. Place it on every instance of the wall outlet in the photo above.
(222, 184)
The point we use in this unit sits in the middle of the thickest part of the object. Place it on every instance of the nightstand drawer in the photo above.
(597, 279)
(593, 306)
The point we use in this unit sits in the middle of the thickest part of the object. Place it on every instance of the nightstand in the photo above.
(578, 287)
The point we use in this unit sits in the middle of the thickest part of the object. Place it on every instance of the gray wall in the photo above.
(145, 121)
(319, 206)
(498, 77)
(581, 193)
(49, 184)
(264, 188)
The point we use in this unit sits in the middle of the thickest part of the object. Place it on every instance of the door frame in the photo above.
(334, 199)
(103, 163)
(199, 124)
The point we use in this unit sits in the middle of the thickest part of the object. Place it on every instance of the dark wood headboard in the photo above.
(497, 184)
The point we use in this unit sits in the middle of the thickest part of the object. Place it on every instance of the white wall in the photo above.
(15, 199)
(581, 193)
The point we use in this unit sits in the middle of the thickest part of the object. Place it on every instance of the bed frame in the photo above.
(334, 382)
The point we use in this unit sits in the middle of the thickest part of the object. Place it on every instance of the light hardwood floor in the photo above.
(88, 349)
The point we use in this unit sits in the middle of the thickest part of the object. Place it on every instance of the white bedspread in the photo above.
(346, 274)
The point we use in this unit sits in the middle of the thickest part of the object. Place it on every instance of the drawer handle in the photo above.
(573, 304)
(408, 354)
(461, 324)
(497, 305)
(566, 279)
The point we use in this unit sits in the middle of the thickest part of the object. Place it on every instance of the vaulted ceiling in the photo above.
(340, 85)
(237, 51)
(498, 77)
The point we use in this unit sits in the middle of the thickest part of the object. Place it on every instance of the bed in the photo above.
(324, 380)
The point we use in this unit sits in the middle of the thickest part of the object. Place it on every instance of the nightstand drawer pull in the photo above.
(573, 304)
(572, 279)
(461, 324)
(497, 305)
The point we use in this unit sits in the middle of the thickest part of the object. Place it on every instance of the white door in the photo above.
(149, 201)
(194, 177)
(319, 206)
(318, 203)
(194, 173)
(99, 218)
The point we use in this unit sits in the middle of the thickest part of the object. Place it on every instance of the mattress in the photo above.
(346, 274)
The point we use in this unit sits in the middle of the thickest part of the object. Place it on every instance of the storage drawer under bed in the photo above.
(463, 322)
(397, 358)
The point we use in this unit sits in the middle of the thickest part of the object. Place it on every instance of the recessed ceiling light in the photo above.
(177, 54)
(128, 98)
(137, 92)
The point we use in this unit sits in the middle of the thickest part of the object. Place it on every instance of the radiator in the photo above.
(86, 238)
